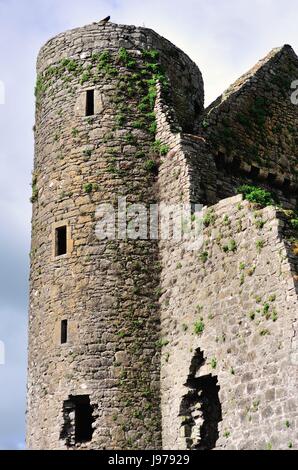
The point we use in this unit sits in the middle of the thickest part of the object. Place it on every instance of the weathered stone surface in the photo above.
(251, 131)
(106, 290)
(252, 346)
(205, 338)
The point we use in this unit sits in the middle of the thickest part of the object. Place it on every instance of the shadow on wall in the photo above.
(200, 407)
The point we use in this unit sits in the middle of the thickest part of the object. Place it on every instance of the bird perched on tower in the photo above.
(105, 20)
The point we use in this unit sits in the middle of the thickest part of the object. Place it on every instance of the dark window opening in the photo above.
(83, 419)
(61, 240)
(200, 408)
(64, 331)
(78, 420)
(90, 103)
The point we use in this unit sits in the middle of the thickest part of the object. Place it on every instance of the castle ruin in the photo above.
(141, 343)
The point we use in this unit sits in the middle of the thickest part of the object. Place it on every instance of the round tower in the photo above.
(94, 341)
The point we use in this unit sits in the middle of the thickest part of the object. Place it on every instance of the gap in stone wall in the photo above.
(200, 408)
(78, 419)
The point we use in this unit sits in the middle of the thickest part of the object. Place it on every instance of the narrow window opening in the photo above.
(61, 240)
(200, 407)
(90, 103)
(78, 420)
(64, 331)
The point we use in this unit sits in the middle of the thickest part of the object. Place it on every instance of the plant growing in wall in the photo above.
(34, 196)
(151, 166)
(294, 223)
(199, 327)
(213, 363)
(162, 342)
(260, 245)
(209, 218)
(204, 256)
(256, 195)
(89, 187)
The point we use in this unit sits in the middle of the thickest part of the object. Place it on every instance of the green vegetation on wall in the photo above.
(256, 195)
(135, 81)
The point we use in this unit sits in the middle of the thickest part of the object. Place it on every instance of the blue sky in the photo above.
(224, 37)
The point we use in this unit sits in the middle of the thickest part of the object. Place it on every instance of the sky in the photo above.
(224, 37)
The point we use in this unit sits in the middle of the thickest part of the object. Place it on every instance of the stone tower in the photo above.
(142, 342)
(94, 322)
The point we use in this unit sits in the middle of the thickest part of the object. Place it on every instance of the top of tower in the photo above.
(81, 44)
(103, 34)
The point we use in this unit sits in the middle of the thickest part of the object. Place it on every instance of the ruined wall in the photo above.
(247, 136)
(210, 332)
(106, 290)
(229, 330)
(228, 309)
(250, 133)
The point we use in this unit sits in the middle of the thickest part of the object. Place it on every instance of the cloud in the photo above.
(224, 38)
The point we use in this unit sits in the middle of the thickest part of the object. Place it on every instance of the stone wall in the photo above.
(250, 132)
(228, 312)
(247, 136)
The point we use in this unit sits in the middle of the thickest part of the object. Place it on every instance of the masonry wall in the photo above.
(175, 347)
(107, 290)
(250, 133)
(228, 313)
(233, 303)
